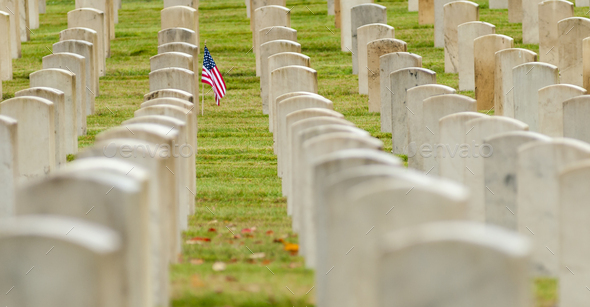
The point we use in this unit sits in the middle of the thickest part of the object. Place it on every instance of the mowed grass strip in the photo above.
(240, 209)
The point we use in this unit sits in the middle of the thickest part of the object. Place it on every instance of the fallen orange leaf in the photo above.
(290, 247)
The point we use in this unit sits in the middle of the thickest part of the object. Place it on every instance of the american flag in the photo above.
(212, 76)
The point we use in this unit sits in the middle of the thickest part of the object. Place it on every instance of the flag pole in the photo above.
(203, 91)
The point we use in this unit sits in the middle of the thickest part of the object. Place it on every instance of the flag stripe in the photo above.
(211, 76)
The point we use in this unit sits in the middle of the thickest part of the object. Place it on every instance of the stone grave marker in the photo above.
(15, 38)
(266, 50)
(364, 14)
(366, 34)
(268, 34)
(400, 81)
(575, 123)
(286, 80)
(528, 79)
(5, 48)
(91, 36)
(177, 35)
(484, 49)
(35, 135)
(452, 133)
(346, 20)
(256, 4)
(59, 111)
(76, 64)
(551, 99)
(550, 13)
(426, 12)
(95, 20)
(389, 63)
(455, 14)
(439, 23)
(414, 98)
(173, 78)
(65, 82)
(477, 131)
(375, 49)
(486, 261)
(506, 60)
(539, 207)
(466, 34)
(169, 93)
(530, 21)
(105, 6)
(571, 32)
(276, 61)
(181, 16)
(265, 17)
(500, 176)
(8, 164)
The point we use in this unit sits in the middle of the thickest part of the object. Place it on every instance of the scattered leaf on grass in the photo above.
(257, 256)
(233, 260)
(278, 241)
(246, 230)
(196, 282)
(292, 248)
(230, 278)
(237, 237)
(197, 240)
(197, 261)
(258, 242)
(212, 230)
(212, 222)
(219, 266)
(270, 232)
(266, 261)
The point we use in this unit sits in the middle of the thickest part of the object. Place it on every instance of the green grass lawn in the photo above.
(240, 207)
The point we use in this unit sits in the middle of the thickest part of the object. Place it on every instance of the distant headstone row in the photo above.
(108, 224)
(378, 234)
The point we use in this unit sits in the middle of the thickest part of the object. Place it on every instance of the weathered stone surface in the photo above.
(272, 33)
(426, 12)
(276, 61)
(95, 20)
(551, 100)
(64, 81)
(268, 17)
(192, 3)
(515, 11)
(337, 19)
(375, 50)
(486, 262)
(8, 164)
(346, 20)
(189, 49)
(389, 63)
(331, 7)
(173, 78)
(528, 79)
(436, 200)
(91, 36)
(15, 37)
(466, 34)
(255, 4)
(439, 23)
(35, 134)
(452, 133)
(266, 50)
(530, 21)
(181, 16)
(539, 208)
(435, 108)
(5, 48)
(413, 5)
(314, 149)
(84, 49)
(80, 186)
(364, 14)
(571, 32)
(500, 176)
(506, 60)
(366, 34)
(402, 80)
(290, 79)
(455, 14)
(287, 106)
(477, 131)
(550, 13)
(59, 111)
(105, 6)
(498, 4)
(416, 129)
(484, 49)
(575, 120)
(76, 64)
(93, 248)
(169, 93)
(177, 35)
(328, 202)
(292, 119)
(573, 248)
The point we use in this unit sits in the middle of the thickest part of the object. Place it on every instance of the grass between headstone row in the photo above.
(238, 190)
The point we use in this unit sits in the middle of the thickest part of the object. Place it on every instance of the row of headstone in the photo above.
(375, 233)
(118, 211)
